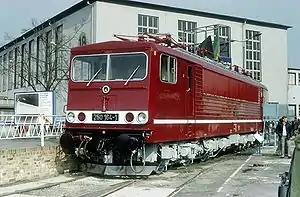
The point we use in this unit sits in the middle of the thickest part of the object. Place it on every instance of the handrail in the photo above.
(30, 126)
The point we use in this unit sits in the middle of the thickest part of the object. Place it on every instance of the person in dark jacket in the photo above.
(296, 127)
(284, 131)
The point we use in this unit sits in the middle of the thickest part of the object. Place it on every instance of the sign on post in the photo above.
(39, 105)
(36, 103)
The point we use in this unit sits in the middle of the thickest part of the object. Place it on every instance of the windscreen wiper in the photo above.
(132, 74)
(94, 77)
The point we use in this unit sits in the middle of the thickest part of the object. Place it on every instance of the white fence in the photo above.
(30, 126)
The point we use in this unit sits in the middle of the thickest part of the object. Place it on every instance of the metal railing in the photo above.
(30, 126)
(270, 137)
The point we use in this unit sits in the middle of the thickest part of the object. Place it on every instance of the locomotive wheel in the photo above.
(205, 158)
(144, 177)
(83, 168)
(160, 168)
(60, 167)
(72, 164)
(187, 163)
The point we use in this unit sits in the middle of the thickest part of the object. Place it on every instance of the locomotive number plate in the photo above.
(105, 117)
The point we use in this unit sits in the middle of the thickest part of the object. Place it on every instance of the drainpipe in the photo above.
(244, 42)
(92, 6)
(92, 23)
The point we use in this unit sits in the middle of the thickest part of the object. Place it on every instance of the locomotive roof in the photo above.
(129, 45)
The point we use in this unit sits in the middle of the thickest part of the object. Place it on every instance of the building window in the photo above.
(38, 56)
(298, 78)
(10, 69)
(253, 54)
(4, 82)
(16, 68)
(186, 32)
(59, 55)
(292, 111)
(31, 67)
(168, 69)
(224, 37)
(2, 72)
(147, 24)
(23, 66)
(48, 56)
(292, 78)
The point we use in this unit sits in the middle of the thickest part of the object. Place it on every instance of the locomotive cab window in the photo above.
(110, 67)
(168, 69)
(87, 66)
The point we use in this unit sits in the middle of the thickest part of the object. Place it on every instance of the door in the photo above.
(189, 94)
(189, 102)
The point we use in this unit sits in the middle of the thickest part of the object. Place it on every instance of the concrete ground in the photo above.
(26, 143)
(243, 175)
(251, 176)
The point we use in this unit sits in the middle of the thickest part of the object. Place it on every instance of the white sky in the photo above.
(15, 15)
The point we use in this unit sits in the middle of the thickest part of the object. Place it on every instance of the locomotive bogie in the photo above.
(191, 151)
(132, 155)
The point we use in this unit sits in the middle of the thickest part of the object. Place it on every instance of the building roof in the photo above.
(293, 69)
(84, 3)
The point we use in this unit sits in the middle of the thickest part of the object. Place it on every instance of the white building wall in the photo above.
(275, 63)
(83, 19)
(294, 91)
(102, 20)
(73, 25)
(117, 19)
(124, 20)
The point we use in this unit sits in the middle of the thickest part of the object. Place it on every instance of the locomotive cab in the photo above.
(102, 86)
(108, 102)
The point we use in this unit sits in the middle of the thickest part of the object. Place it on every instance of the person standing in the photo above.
(296, 127)
(284, 132)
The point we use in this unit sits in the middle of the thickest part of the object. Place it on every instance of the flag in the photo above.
(216, 46)
(207, 45)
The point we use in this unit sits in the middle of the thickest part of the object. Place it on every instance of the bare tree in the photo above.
(41, 63)
(7, 37)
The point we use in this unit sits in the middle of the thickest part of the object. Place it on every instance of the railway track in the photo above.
(177, 189)
(118, 188)
(180, 187)
(77, 176)
(175, 179)
(212, 164)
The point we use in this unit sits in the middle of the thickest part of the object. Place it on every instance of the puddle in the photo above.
(248, 170)
(257, 165)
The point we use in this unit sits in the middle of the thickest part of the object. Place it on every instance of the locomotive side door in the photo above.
(189, 93)
(189, 101)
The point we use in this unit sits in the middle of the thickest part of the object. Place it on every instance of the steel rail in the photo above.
(46, 186)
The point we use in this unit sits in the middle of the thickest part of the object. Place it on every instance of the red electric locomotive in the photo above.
(135, 107)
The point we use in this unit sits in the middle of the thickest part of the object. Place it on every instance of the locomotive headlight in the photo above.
(142, 117)
(71, 117)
